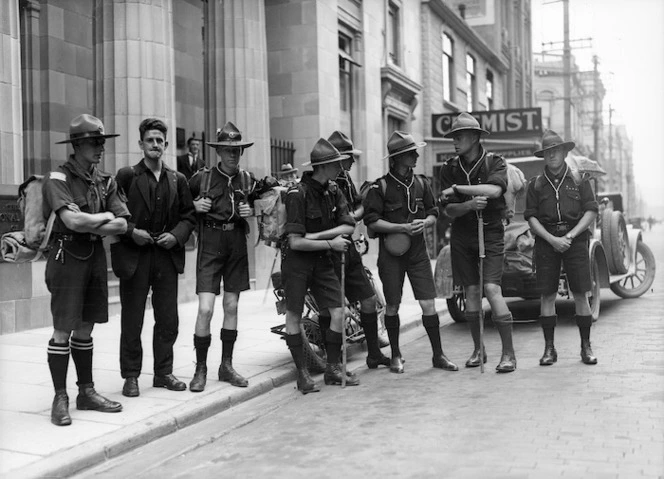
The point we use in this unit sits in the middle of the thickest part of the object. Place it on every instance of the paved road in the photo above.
(567, 420)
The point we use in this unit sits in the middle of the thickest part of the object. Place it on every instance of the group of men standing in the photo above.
(151, 210)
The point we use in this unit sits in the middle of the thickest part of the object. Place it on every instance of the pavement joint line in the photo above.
(96, 451)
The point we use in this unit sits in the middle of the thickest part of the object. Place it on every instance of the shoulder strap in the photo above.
(383, 184)
(205, 181)
(47, 232)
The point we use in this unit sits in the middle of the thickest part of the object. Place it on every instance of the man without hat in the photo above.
(317, 221)
(191, 162)
(398, 207)
(357, 286)
(87, 206)
(473, 184)
(223, 196)
(151, 256)
(560, 207)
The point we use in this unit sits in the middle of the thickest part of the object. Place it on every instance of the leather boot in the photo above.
(333, 375)
(474, 359)
(60, 409)
(229, 375)
(375, 357)
(473, 320)
(507, 362)
(90, 400)
(587, 355)
(305, 383)
(550, 355)
(442, 362)
(199, 380)
(396, 364)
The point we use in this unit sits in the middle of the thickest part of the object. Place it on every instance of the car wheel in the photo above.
(644, 274)
(312, 345)
(595, 290)
(456, 305)
(615, 241)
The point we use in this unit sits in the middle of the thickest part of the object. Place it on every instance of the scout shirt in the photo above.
(312, 207)
(488, 169)
(93, 191)
(225, 192)
(555, 199)
(345, 183)
(404, 200)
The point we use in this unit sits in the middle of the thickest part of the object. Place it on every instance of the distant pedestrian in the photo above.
(399, 207)
(473, 184)
(287, 175)
(88, 207)
(191, 162)
(151, 256)
(223, 195)
(560, 207)
(317, 221)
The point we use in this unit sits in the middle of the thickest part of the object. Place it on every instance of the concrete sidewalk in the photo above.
(30, 446)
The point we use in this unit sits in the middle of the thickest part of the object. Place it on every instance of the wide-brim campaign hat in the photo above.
(324, 152)
(465, 122)
(551, 139)
(286, 168)
(401, 142)
(85, 127)
(229, 135)
(342, 143)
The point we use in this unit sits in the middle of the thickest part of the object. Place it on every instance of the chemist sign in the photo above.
(523, 122)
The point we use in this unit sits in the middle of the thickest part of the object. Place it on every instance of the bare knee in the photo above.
(428, 307)
(368, 305)
(392, 309)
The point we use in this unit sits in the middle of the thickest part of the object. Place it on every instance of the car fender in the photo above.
(443, 275)
(597, 253)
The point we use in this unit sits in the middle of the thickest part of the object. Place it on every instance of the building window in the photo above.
(470, 82)
(393, 33)
(448, 67)
(489, 89)
(345, 71)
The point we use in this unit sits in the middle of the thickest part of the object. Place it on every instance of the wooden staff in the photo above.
(480, 239)
(343, 319)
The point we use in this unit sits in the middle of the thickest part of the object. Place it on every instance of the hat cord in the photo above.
(412, 180)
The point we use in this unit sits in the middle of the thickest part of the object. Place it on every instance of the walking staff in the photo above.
(344, 361)
(480, 241)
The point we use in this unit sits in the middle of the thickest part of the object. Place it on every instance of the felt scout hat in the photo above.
(324, 152)
(85, 127)
(286, 168)
(401, 142)
(229, 135)
(465, 122)
(342, 143)
(551, 139)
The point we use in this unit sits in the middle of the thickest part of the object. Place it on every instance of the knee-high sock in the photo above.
(392, 324)
(81, 353)
(294, 342)
(333, 346)
(504, 326)
(473, 320)
(370, 326)
(432, 325)
(202, 344)
(228, 338)
(548, 326)
(584, 323)
(58, 362)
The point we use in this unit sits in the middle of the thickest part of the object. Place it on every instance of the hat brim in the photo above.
(412, 147)
(324, 162)
(287, 172)
(72, 140)
(569, 145)
(450, 134)
(351, 152)
(241, 144)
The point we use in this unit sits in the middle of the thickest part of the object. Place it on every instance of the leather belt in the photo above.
(561, 227)
(89, 237)
(219, 225)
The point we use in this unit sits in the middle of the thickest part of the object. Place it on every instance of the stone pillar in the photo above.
(134, 74)
(237, 91)
(11, 126)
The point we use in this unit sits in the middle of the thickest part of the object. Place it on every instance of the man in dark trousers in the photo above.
(560, 207)
(473, 182)
(88, 206)
(151, 256)
(223, 198)
(317, 218)
(398, 207)
(191, 162)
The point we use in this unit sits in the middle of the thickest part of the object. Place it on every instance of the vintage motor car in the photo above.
(619, 258)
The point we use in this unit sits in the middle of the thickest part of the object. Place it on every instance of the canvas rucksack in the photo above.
(29, 244)
(270, 211)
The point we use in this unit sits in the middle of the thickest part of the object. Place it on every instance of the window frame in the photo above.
(447, 69)
(471, 80)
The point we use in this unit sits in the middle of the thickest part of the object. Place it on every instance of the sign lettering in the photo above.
(522, 122)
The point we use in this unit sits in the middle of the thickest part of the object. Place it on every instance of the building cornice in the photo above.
(462, 29)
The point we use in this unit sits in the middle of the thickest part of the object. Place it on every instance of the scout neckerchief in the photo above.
(245, 190)
(412, 181)
(90, 177)
(557, 188)
(472, 170)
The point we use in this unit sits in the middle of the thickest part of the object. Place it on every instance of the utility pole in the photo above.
(567, 74)
(613, 166)
(596, 110)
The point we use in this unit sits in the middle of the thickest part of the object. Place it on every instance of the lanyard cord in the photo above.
(556, 188)
(412, 180)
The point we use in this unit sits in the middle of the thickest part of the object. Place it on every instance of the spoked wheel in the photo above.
(456, 305)
(644, 274)
(593, 297)
(313, 345)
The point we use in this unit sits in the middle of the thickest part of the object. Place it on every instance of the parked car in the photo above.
(619, 258)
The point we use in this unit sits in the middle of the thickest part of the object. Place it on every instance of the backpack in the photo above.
(29, 244)
(382, 182)
(270, 210)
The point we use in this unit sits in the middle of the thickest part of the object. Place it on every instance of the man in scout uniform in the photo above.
(317, 218)
(473, 183)
(399, 206)
(287, 175)
(357, 284)
(87, 206)
(559, 210)
(222, 196)
(151, 255)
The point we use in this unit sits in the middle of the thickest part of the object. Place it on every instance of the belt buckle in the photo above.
(227, 226)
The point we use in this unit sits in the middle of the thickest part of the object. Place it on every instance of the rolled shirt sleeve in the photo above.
(373, 204)
(531, 201)
(588, 200)
(295, 212)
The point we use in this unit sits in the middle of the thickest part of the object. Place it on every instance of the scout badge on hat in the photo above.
(229, 135)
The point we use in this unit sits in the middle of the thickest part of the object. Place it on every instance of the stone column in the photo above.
(237, 91)
(11, 126)
(134, 73)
